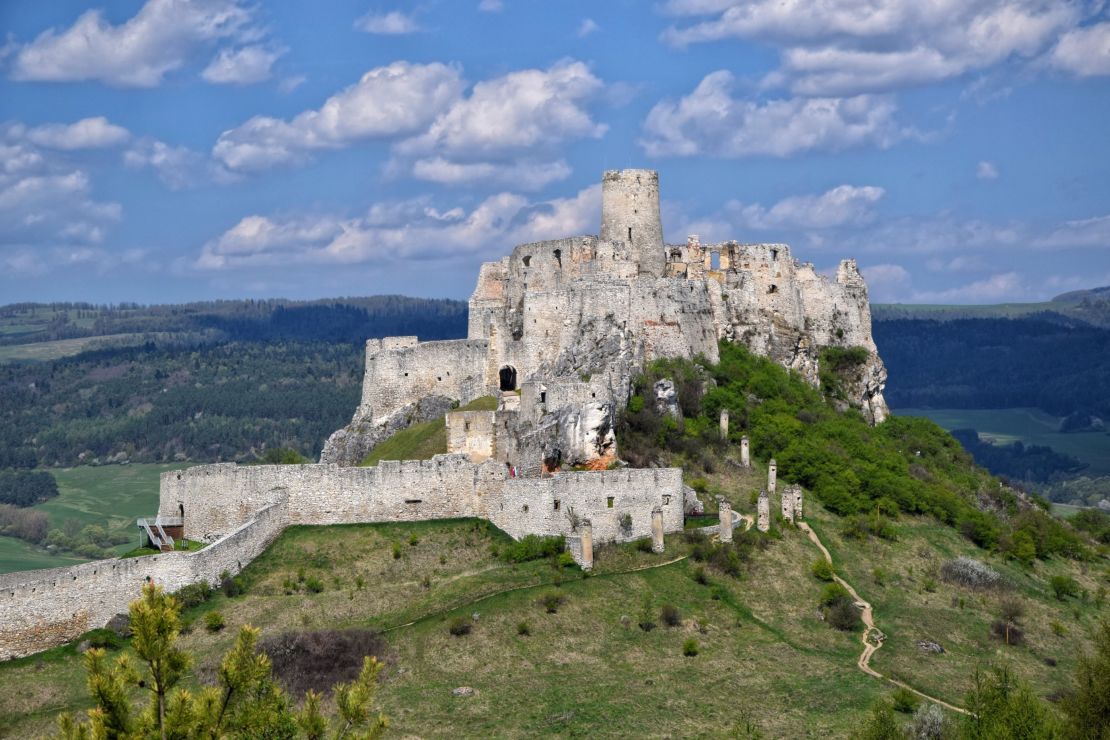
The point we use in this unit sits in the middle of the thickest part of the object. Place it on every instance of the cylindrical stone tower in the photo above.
(657, 530)
(724, 423)
(745, 453)
(763, 512)
(724, 531)
(630, 216)
(772, 476)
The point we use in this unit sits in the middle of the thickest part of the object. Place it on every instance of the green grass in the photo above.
(113, 496)
(44, 351)
(422, 441)
(179, 546)
(1031, 426)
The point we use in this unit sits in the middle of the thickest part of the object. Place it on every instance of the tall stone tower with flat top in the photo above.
(630, 216)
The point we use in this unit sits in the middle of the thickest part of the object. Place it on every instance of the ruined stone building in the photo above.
(557, 332)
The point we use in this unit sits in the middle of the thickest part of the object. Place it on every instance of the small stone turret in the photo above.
(772, 476)
(630, 216)
(657, 530)
(763, 512)
(745, 452)
(724, 424)
(788, 504)
(725, 529)
(586, 537)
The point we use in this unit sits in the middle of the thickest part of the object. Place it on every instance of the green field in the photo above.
(1031, 426)
(110, 495)
(44, 351)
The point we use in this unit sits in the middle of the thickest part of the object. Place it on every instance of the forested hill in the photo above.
(1061, 367)
(202, 382)
(1085, 306)
(331, 320)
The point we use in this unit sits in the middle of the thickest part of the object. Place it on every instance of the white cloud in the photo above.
(177, 167)
(245, 66)
(43, 203)
(160, 38)
(1084, 51)
(588, 26)
(523, 174)
(289, 84)
(88, 133)
(711, 121)
(491, 6)
(962, 263)
(845, 47)
(393, 23)
(410, 229)
(1088, 232)
(520, 111)
(986, 171)
(844, 204)
(1006, 286)
(887, 283)
(399, 99)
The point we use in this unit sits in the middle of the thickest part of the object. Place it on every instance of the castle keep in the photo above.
(557, 332)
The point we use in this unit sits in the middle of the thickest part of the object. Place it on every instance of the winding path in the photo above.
(871, 631)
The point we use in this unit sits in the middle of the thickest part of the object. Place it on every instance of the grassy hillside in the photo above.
(763, 652)
(422, 441)
(1091, 306)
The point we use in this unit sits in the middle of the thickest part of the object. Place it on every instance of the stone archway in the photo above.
(507, 378)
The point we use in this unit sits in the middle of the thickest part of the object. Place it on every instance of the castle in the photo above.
(557, 332)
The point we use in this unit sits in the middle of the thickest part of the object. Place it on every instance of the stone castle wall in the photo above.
(47, 607)
(401, 370)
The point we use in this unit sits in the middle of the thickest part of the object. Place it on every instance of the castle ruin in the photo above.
(557, 332)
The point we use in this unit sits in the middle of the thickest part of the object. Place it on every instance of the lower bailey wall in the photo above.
(43, 608)
(241, 509)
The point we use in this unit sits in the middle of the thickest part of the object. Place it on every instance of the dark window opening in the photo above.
(543, 396)
(774, 254)
(526, 508)
(609, 502)
(774, 289)
(507, 376)
(527, 259)
(559, 257)
(414, 500)
(556, 504)
(629, 233)
(181, 510)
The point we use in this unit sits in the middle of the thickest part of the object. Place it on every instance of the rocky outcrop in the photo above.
(351, 444)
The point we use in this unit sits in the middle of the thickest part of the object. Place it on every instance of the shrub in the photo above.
(316, 660)
(971, 573)
(533, 547)
(904, 700)
(551, 601)
(833, 593)
(460, 626)
(670, 615)
(699, 575)
(102, 637)
(414, 540)
(232, 586)
(360, 582)
(878, 575)
(647, 620)
(1009, 632)
(523, 629)
(1058, 629)
(1063, 586)
(565, 560)
(644, 545)
(822, 569)
(928, 583)
(214, 621)
(396, 550)
(314, 584)
(194, 594)
(690, 647)
(843, 615)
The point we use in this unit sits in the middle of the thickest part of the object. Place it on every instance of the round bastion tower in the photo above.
(630, 216)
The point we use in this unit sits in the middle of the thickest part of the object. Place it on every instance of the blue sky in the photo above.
(175, 150)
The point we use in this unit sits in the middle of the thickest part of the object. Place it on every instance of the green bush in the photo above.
(214, 621)
(670, 615)
(822, 570)
(699, 575)
(533, 547)
(523, 629)
(834, 592)
(551, 601)
(396, 549)
(313, 584)
(904, 700)
(102, 637)
(1064, 586)
(843, 615)
(232, 586)
(194, 594)
(690, 647)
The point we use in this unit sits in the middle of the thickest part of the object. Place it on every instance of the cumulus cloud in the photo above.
(410, 229)
(887, 283)
(844, 204)
(1084, 51)
(588, 26)
(137, 53)
(1005, 286)
(393, 23)
(245, 66)
(88, 133)
(711, 121)
(491, 6)
(177, 167)
(399, 99)
(846, 47)
(986, 171)
(524, 174)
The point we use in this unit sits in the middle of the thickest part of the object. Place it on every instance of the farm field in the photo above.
(1031, 426)
(110, 495)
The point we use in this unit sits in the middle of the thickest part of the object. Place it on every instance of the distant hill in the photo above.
(1088, 306)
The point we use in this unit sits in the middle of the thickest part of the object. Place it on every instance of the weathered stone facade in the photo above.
(763, 512)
